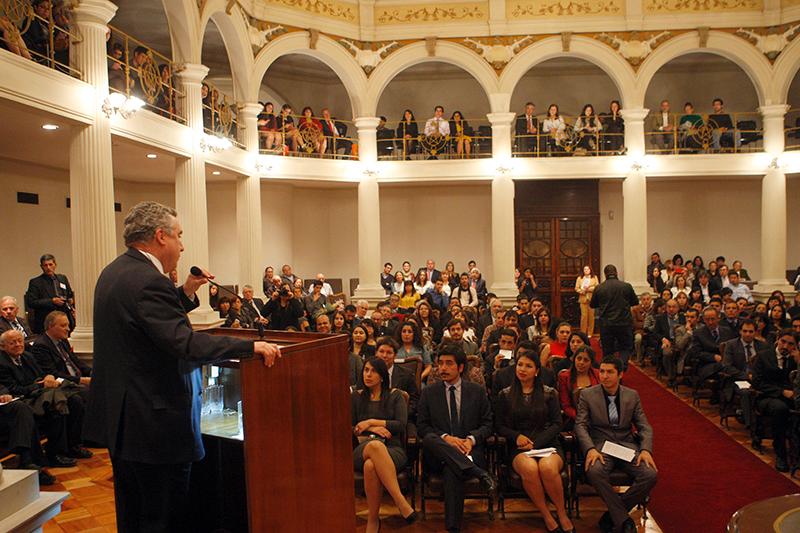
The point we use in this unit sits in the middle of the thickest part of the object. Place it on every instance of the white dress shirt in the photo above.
(437, 125)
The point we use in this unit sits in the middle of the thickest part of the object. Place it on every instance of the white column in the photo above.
(91, 178)
(501, 136)
(369, 214)
(190, 191)
(634, 130)
(248, 205)
(773, 205)
(634, 230)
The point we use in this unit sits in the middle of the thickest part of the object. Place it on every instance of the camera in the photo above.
(284, 292)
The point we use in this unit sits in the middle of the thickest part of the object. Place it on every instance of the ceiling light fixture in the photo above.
(216, 173)
(118, 103)
(152, 156)
(50, 127)
(214, 143)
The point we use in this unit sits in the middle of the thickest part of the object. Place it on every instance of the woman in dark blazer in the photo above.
(528, 415)
(407, 132)
(380, 416)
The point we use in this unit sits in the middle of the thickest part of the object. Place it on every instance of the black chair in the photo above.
(511, 482)
(747, 132)
(407, 477)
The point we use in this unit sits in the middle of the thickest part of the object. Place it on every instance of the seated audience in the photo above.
(661, 127)
(477, 282)
(236, 318)
(380, 417)
(705, 348)
(437, 125)
(742, 272)
(386, 350)
(640, 313)
(408, 133)
(287, 132)
(250, 302)
(465, 292)
(526, 129)
(386, 278)
(409, 296)
(22, 377)
(724, 132)
(315, 302)
(422, 283)
(359, 341)
(454, 420)
(526, 284)
(462, 134)
(18, 424)
(384, 136)
(54, 355)
(501, 354)
(610, 412)
(410, 344)
(9, 319)
(283, 310)
(528, 416)
(613, 129)
(557, 348)
(689, 123)
(541, 330)
(665, 336)
(571, 381)
(738, 289)
(776, 393)
(588, 127)
(555, 129)
(429, 324)
(437, 296)
(267, 127)
(224, 306)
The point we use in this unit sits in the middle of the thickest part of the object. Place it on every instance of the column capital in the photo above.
(501, 119)
(250, 110)
(193, 73)
(367, 123)
(774, 111)
(634, 114)
(94, 12)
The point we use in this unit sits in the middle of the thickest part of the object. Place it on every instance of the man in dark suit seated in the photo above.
(776, 394)
(526, 129)
(454, 419)
(704, 352)
(730, 318)
(248, 300)
(54, 354)
(664, 333)
(724, 132)
(49, 292)
(609, 413)
(737, 365)
(708, 286)
(385, 138)
(18, 422)
(23, 378)
(9, 319)
(386, 349)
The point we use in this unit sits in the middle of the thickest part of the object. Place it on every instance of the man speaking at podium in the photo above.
(144, 405)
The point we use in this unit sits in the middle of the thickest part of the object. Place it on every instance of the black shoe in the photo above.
(628, 526)
(410, 519)
(79, 452)
(556, 530)
(780, 465)
(46, 479)
(488, 484)
(605, 523)
(61, 461)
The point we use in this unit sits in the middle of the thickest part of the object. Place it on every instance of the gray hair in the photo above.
(8, 333)
(144, 219)
(9, 299)
(51, 317)
(245, 287)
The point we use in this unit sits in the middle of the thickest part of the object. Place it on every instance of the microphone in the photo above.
(196, 271)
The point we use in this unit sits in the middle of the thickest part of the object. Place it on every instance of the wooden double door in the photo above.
(558, 239)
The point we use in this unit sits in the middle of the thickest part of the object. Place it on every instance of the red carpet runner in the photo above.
(704, 476)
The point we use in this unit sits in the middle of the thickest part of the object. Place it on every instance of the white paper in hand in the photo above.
(620, 452)
(540, 453)
(744, 385)
(507, 354)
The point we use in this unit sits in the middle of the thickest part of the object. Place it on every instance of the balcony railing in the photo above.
(445, 139)
(220, 115)
(301, 136)
(698, 133)
(792, 130)
(135, 69)
(42, 34)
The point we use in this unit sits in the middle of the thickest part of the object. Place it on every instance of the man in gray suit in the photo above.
(607, 413)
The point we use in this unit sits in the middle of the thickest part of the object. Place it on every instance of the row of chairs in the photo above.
(414, 476)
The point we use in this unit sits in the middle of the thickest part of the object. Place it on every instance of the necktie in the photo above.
(748, 350)
(613, 414)
(17, 326)
(715, 334)
(454, 425)
(71, 368)
(530, 124)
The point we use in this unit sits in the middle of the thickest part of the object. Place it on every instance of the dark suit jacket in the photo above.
(661, 328)
(406, 381)
(593, 429)
(5, 325)
(505, 376)
(734, 356)
(768, 378)
(433, 415)
(714, 285)
(20, 381)
(434, 275)
(49, 360)
(704, 348)
(480, 288)
(39, 296)
(734, 327)
(521, 126)
(144, 402)
(258, 302)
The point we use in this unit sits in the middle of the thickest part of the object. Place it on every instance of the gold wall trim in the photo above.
(327, 8)
(562, 8)
(694, 6)
(426, 13)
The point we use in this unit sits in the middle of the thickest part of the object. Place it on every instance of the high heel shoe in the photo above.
(557, 529)
(410, 519)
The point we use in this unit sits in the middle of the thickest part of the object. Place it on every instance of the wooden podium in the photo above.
(298, 459)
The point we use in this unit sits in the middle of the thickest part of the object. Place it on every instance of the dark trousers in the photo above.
(778, 411)
(76, 404)
(441, 458)
(54, 427)
(151, 498)
(617, 339)
(619, 505)
(23, 436)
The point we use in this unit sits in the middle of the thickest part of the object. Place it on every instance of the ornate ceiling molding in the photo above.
(694, 6)
(426, 13)
(365, 53)
(561, 8)
(634, 47)
(771, 41)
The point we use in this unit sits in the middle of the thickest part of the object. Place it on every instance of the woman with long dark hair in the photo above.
(429, 325)
(380, 417)
(528, 415)
(580, 375)
(408, 132)
(359, 341)
(409, 296)
(541, 329)
(339, 322)
(461, 133)
(409, 337)
(655, 280)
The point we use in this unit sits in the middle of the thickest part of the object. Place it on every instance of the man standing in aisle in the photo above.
(144, 403)
(614, 299)
(49, 292)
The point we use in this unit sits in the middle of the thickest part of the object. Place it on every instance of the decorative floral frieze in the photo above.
(562, 8)
(693, 6)
(498, 54)
(335, 9)
(634, 49)
(772, 41)
(366, 57)
(416, 14)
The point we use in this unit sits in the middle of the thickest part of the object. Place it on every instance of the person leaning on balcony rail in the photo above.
(267, 128)
(285, 126)
(384, 136)
(613, 129)
(11, 39)
(308, 122)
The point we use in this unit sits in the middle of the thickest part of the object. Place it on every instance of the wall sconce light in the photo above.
(119, 104)
(214, 143)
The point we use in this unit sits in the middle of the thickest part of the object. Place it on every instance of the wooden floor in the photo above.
(90, 508)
